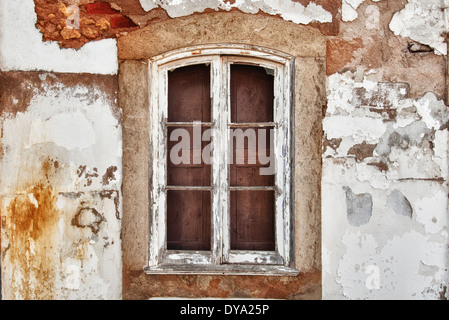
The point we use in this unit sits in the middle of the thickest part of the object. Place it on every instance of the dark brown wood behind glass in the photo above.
(188, 210)
(252, 210)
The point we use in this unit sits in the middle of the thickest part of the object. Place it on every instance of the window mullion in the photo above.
(157, 166)
(219, 161)
(282, 145)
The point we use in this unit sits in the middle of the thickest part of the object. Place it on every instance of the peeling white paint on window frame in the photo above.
(221, 259)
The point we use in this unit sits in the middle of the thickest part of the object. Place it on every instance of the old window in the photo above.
(220, 153)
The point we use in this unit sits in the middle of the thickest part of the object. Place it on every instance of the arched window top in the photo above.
(235, 50)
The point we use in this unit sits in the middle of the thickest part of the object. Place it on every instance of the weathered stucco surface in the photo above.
(384, 211)
(21, 46)
(60, 186)
(385, 170)
(371, 162)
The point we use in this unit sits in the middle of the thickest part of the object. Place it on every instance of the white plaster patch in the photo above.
(399, 266)
(360, 129)
(340, 94)
(402, 252)
(349, 9)
(69, 131)
(440, 152)
(431, 211)
(373, 176)
(66, 125)
(22, 48)
(288, 10)
(422, 21)
(433, 111)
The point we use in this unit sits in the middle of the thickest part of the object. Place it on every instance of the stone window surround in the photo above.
(306, 45)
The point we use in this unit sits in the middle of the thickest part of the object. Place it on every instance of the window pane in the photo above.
(252, 220)
(188, 220)
(253, 162)
(252, 94)
(188, 157)
(189, 94)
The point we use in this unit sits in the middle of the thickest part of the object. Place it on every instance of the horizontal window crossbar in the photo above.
(187, 188)
(188, 124)
(254, 124)
(268, 188)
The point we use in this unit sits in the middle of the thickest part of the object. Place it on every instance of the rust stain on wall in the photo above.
(88, 218)
(31, 224)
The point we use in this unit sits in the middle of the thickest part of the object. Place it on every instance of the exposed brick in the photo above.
(339, 53)
(100, 8)
(362, 151)
(122, 22)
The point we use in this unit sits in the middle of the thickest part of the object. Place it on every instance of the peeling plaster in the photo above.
(61, 224)
(401, 251)
(384, 211)
(22, 48)
(288, 10)
(399, 270)
(384, 258)
(433, 111)
(403, 138)
(400, 204)
(349, 10)
(72, 129)
(422, 21)
(359, 207)
(55, 129)
(431, 212)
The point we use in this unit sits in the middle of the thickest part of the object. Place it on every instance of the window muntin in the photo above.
(227, 253)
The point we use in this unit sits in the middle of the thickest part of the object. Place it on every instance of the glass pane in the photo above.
(253, 162)
(252, 94)
(189, 94)
(188, 220)
(252, 220)
(188, 157)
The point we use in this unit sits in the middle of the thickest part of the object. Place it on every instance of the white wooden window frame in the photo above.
(221, 259)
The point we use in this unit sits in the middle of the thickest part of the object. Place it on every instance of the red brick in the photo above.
(122, 22)
(100, 8)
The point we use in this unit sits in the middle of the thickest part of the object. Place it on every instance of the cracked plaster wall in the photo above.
(385, 211)
(385, 170)
(60, 187)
